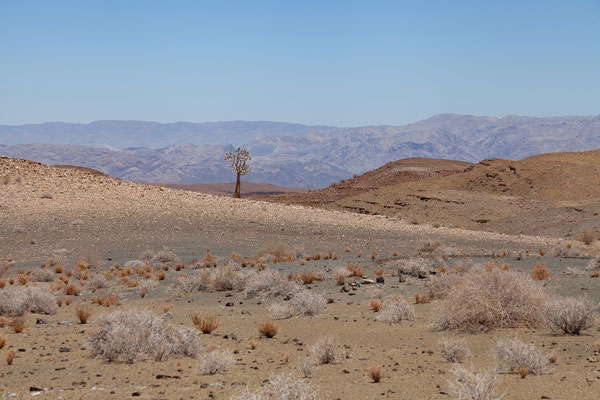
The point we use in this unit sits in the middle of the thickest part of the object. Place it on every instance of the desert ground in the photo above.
(158, 257)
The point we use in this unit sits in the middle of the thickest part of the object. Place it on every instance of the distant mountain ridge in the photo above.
(289, 154)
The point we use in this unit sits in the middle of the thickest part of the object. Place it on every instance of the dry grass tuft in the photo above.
(378, 271)
(327, 350)
(18, 325)
(205, 324)
(523, 372)
(10, 356)
(2, 342)
(421, 299)
(307, 277)
(588, 237)
(268, 329)
(355, 270)
(539, 271)
(376, 373)
(83, 313)
(71, 290)
(376, 305)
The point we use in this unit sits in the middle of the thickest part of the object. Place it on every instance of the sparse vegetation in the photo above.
(18, 301)
(396, 310)
(570, 315)
(302, 303)
(516, 356)
(483, 300)
(471, 385)
(281, 387)
(10, 356)
(131, 334)
(376, 373)
(376, 305)
(215, 362)
(454, 351)
(327, 350)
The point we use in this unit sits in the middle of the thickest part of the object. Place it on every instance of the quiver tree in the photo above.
(239, 163)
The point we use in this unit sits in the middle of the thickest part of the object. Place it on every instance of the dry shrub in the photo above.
(483, 300)
(347, 250)
(355, 270)
(161, 275)
(11, 281)
(539, 272)
(268, 328)
(376, 305)
(340, 275)
(215, 362)
(432, 248)
(373, 255)
(179, 266)
(197, 281)
(42, 275)
(229, 277)
(378, 271)
(142, 292)
(83, 313)
(10, 356)
(22, 279)
(2, 342)
(281, 252)
(98, 281)
(421, 299)
(67, 301)
(4, 322)
(281, 387)
(471, 385)
(108, 300)
(131, 334)
(18, 324)
(18, 301)
(2, 284)
(454, 351)
(268, 284)
(303, 303)
(71, 290)
(327, 350)
(588, 237)
(570, 315)
(167, 308)
(376, 373)
(513, 355)
(235, 255)
(205, 324)
(396, 310)
(418, 267)
(395, 254)
(553, 357)
(307, 277)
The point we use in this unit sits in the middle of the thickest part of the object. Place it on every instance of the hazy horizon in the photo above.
(339, 63)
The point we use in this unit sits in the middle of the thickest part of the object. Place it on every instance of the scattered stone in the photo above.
(64, 350)
(40, 321)
(163, 376)
(380, 279)
(229, 304)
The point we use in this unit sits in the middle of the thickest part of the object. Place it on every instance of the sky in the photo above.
(343, 63)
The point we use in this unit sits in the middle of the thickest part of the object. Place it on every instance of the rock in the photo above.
(136, 394)
(40, 321)
(380, 279)
(229, 304)
(330, 301)
(344, 289)
(64, 350)
(401, 278)
(163, 376)
(367, 282)
(422, 275)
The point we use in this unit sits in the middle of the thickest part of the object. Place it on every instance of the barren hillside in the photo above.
(551, 194)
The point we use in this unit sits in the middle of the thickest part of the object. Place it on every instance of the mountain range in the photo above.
(288, 154)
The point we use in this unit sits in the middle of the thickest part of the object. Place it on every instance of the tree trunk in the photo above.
(237, 194)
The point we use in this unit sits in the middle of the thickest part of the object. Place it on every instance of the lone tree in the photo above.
(239, 163)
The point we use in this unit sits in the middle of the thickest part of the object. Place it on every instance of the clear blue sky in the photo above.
(342, 63)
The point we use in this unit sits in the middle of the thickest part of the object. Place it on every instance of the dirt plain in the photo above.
(74, 214)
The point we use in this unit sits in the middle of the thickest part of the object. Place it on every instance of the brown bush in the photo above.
(161, 275)
(395, 254)
(23, 279)
(2, 284)
(107, 301)
(378, 271)
(179, 266)
(376, 305)
(4, 322)
(376, 373)
(421, 299)
(18, 324)
(539, 271)
(355, 270)
(373, 255)
(167, 307)
(588, 237)
(347, 250)
(268, 328)
(83, 313)
(523, 372)
(2, 342)
(71, 290)
(143, 292)
(10, 356)
(59, 269)
(67, 301)
(205, 324)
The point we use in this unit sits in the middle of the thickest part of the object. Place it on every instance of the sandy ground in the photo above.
(44, 211)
